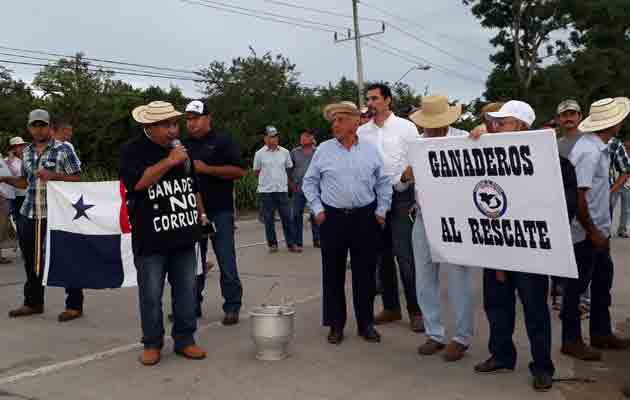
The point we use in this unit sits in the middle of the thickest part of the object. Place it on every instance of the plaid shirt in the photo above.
(619, 160)
(56, 157)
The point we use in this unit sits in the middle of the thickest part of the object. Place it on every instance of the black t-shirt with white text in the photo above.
(164, 216)
(215, 149)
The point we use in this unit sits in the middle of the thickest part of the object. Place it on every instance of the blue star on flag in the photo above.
(81, 208)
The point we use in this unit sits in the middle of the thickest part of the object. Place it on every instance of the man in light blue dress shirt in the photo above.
(349, 195)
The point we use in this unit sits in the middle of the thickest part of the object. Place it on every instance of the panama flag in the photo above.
(88, 236)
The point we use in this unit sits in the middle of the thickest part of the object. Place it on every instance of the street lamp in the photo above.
(415, 68)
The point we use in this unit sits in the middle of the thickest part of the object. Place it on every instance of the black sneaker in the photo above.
(543, 382)
(492, 366)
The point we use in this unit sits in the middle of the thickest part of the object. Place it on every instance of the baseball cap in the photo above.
(271, 131)
(568, 105)
(38, 115)
(15, 141)
(516, 109)
(197, 107)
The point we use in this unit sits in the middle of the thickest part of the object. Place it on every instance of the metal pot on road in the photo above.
(272, 331)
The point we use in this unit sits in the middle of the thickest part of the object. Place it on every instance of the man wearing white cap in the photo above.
(591, 234)
(272, 165)
(217, 161)
(499, 291)
(568, 116)
(349, 194)
(436, 117)
(165, 226)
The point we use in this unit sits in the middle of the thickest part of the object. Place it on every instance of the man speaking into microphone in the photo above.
(165, 210)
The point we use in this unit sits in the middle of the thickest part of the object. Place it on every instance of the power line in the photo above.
(301, 20)
(96, 70)
(424, 41)
(318, 10)
(103, 67)
(286, 20)
(415, 24)
(413, 59)
(47, 53)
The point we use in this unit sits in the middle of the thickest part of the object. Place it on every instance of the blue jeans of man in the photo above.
(595, 267)
(179, 267)
(499, 302)
(460, 292)
(224, 248)
(297, 216)
(270, 203)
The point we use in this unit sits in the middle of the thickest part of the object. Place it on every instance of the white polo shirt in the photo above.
(273, 167)
(391, 141)
(591, 160)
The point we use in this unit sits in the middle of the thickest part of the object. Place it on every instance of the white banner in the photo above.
(497, 202)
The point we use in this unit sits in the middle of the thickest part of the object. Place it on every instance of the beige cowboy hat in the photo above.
(16, 141)
(606, 113)
(346, 107)
(436, 112)
(153, 112)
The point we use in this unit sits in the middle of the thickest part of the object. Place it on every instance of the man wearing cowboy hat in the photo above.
(165, 208)
(390, 134)
(436, 117)
(499, 289)
(591, 234)
(43, 160)
(349, 194)
(14, 162)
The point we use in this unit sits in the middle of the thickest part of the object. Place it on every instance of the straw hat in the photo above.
(436, 112)
(606, 113)
(16, 141)
(346, 107)
(153, 112)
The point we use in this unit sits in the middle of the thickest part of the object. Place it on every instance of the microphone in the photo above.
(175, 143)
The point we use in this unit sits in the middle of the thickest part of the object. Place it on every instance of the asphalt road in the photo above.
(96, 357)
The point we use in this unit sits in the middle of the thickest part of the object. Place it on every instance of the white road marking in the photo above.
(48, 369)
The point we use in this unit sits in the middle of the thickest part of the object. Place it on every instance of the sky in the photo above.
(171, 33)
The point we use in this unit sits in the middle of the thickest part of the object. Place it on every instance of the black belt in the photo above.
(349, 211)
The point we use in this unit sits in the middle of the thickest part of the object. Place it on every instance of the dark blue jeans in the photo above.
(224, 249)
(499, 300)
(297, 215)
(277, 201)
(180, 267)
(595, 267)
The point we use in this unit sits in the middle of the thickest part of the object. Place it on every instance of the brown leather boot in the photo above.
(454, 351)
(192, 352)
(26, 311)
(430, 347)
(69, 315)
(581, 351)
(611, 342)
(151, 357)
(386, 317)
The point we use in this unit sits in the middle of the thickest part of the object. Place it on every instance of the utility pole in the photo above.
(357, 43)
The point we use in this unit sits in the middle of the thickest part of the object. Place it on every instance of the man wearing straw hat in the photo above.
(349, 194)
(43, 160)
(591, 234)
(165, 209)
(436, 117)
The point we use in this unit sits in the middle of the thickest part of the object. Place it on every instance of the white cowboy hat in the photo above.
(436, 112)
(153, 112)
(606, 113)
(346, 107)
